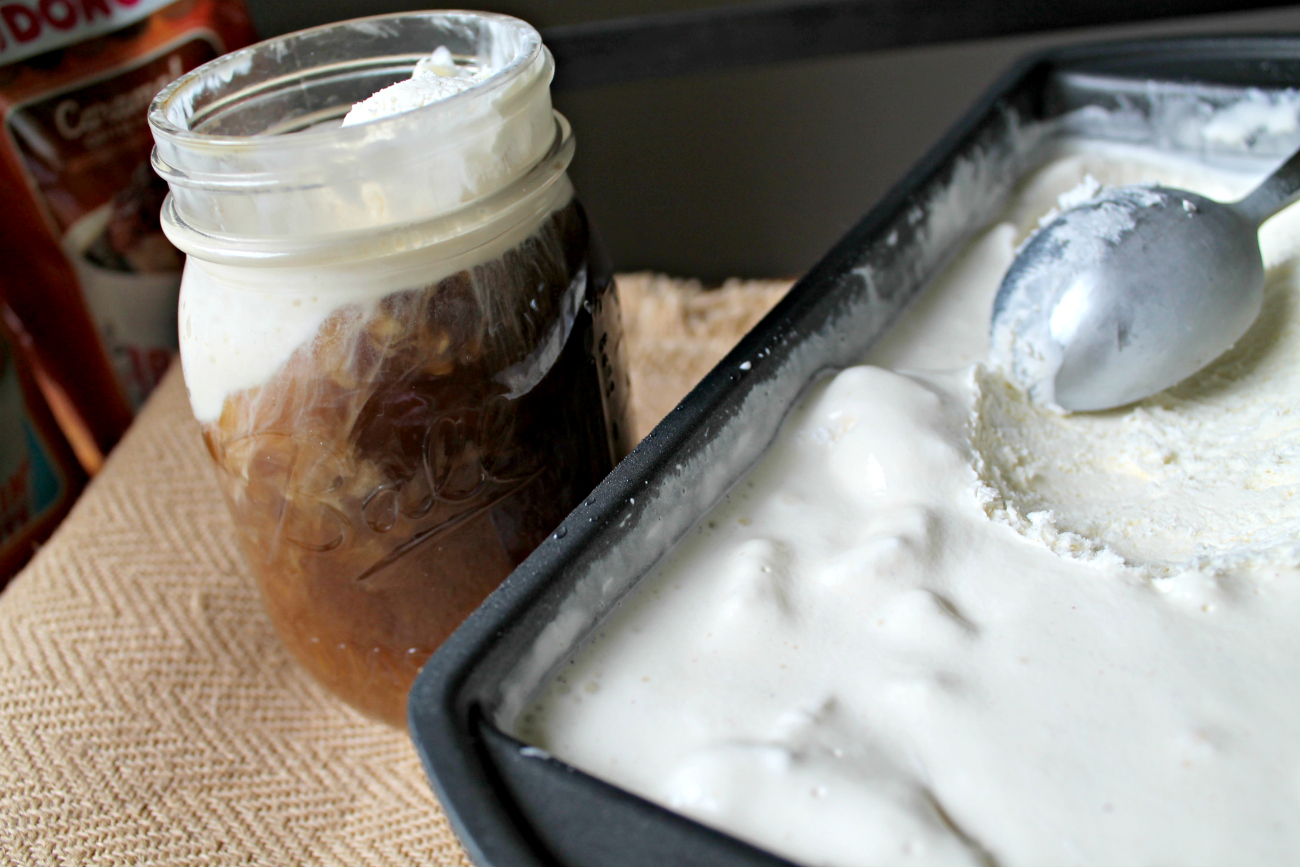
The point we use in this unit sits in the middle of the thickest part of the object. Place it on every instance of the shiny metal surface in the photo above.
(1133, 291)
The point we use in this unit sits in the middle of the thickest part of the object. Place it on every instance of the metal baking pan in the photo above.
(514, 806)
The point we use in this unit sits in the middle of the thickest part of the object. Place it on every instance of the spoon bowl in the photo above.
(1133, 291)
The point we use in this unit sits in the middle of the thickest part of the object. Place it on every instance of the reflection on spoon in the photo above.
(1133, 291)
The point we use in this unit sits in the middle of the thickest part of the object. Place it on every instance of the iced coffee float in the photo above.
(398, 336)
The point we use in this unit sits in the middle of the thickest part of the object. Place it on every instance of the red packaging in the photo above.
(86, 267)
(39, 477)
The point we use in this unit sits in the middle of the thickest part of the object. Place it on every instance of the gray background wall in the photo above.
(757, 172)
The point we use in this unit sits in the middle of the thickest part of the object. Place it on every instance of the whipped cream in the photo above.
(939, 624)
(434, 79)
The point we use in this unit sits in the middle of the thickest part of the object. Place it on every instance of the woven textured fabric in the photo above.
(676, 331)
(149, 714)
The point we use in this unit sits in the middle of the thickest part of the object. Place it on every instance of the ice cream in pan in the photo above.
(941, 624)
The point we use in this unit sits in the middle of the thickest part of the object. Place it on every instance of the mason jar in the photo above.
(400, 338)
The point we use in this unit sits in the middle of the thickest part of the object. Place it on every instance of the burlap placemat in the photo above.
(148, 713)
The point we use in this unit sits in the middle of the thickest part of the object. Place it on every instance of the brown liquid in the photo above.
(384, 482)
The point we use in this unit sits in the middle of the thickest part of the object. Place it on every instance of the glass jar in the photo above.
(399, 338)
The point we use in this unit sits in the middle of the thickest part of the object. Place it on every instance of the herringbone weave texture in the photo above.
(148, 713)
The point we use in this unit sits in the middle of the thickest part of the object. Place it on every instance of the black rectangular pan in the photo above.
(514, 806)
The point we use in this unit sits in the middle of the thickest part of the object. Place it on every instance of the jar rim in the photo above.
(178, 98)
(376, 241)
(252, 148)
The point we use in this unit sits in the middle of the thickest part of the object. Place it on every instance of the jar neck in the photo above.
(260, 168)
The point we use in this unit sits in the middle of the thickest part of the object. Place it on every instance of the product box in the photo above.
(87, 269)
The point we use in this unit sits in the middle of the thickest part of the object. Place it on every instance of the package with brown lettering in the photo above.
(85, 265)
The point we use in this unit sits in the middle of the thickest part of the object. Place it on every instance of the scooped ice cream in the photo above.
(242, 326)
(939, 624)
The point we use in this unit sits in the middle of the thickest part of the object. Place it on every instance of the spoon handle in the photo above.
(1276, 192)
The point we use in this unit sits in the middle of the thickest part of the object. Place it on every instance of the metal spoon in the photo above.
(1133, 291)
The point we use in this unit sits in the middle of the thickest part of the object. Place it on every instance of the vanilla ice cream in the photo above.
(939, 624)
